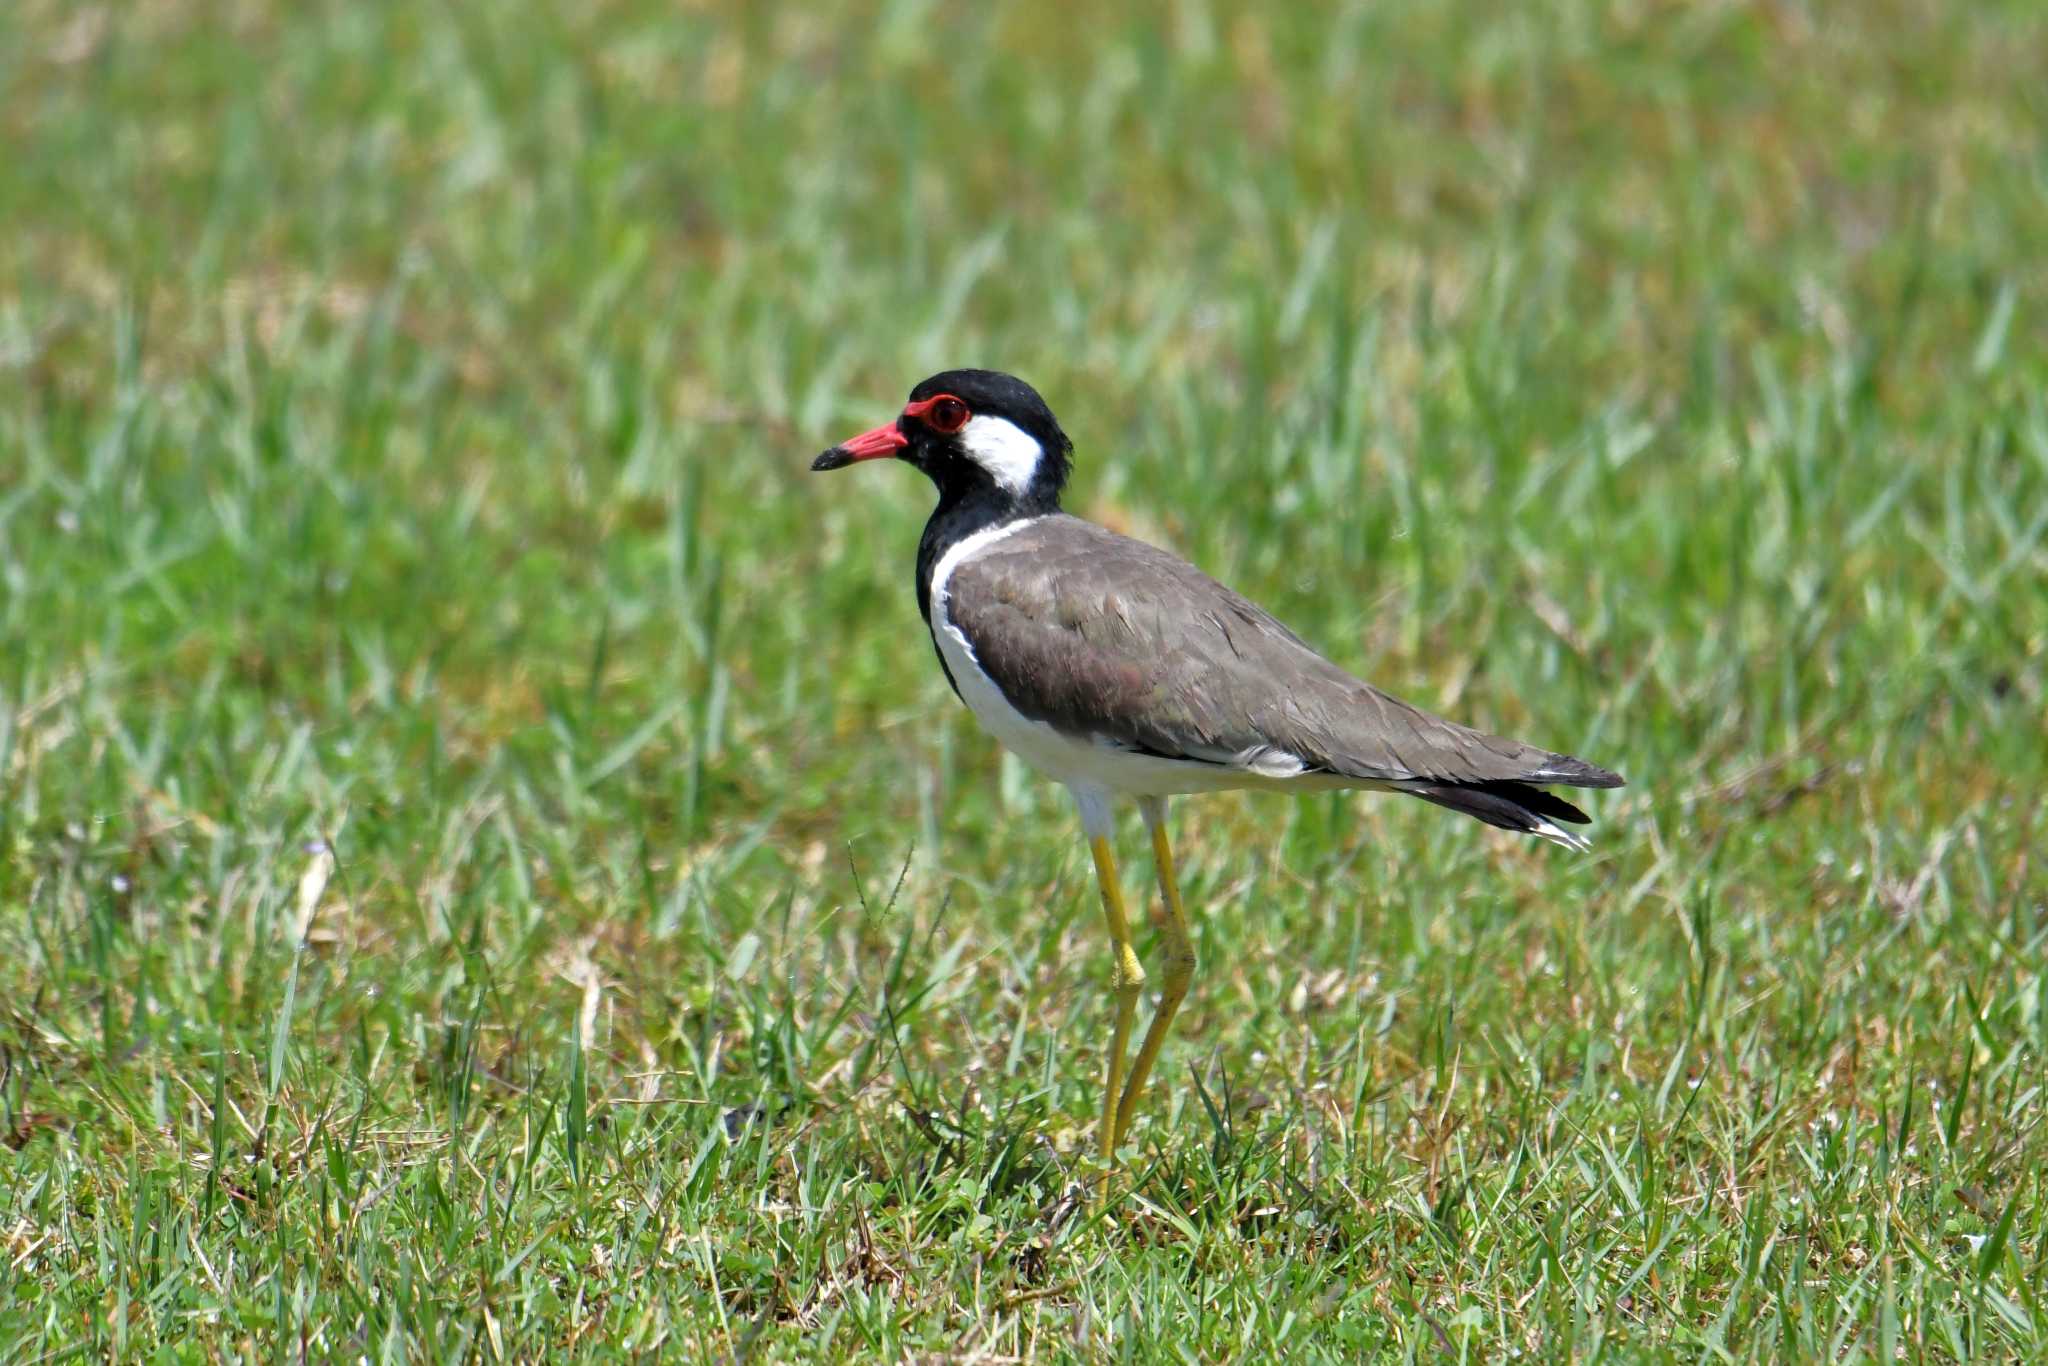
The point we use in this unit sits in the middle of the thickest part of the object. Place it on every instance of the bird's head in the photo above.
(971, 430)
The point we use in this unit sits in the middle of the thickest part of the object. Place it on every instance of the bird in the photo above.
(1127, 674)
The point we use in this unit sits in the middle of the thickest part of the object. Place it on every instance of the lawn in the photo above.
(490, 868)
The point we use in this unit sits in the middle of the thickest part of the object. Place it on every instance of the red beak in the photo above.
(883, 440)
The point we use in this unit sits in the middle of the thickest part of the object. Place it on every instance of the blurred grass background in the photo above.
(488, 867)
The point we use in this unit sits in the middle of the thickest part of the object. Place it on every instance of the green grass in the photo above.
(404, 413)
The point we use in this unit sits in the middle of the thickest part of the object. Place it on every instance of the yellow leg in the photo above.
(1180, 970)
(1127, 979)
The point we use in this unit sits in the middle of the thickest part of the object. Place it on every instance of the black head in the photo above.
(972, 431)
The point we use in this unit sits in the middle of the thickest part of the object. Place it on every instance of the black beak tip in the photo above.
(834, 459)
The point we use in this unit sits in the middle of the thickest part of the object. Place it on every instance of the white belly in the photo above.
(1075, 762)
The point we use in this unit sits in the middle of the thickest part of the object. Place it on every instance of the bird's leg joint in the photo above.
(1127, 974)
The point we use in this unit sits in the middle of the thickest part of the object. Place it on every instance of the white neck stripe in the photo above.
(960, 550)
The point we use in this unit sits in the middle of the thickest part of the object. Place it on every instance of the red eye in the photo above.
(947, 414)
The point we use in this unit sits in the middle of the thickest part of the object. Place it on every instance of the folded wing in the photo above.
(1096, 634)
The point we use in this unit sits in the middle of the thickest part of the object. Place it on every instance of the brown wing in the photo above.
(1097, 634)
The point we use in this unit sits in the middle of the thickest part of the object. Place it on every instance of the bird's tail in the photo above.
(1509, 805)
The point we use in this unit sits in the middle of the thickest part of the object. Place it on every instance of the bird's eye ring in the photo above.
(946, 414)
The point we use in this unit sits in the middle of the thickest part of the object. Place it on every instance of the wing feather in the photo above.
(1098, 634)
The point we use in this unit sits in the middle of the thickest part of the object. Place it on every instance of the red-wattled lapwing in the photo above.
(1123, 671)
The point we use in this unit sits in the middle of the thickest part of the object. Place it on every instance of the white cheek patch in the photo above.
(1008, 452)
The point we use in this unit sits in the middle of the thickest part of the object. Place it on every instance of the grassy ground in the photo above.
(489, 868)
